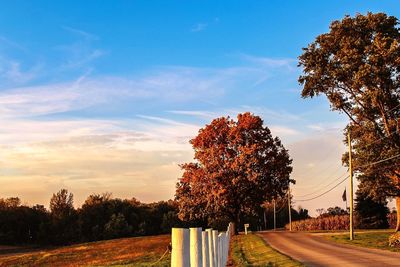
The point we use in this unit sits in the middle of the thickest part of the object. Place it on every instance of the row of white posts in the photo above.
(196, 248)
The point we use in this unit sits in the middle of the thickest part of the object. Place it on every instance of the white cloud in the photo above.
(283, 131)
(169, 85)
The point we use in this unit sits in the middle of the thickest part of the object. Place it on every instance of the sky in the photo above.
(104, 96)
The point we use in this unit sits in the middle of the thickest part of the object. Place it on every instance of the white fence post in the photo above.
(194, 248)
(227, 235)
(210, 247)
(180, 247)
(196, 258)
(215, 247)
(205, 250)
(220, 251)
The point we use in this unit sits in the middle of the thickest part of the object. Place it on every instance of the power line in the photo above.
(379, 161)
(326, 192)
(341, 166)
(373, 163)
(322, 171)
(325, 186)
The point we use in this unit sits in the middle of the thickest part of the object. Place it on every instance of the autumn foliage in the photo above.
(356, 65)
(238, 166)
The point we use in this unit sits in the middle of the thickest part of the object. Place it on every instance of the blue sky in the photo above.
(103, 96)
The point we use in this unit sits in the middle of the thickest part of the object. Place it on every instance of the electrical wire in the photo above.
(377, 162)
(319, 172)
(326, 192)
(369, 164)
(325, 186)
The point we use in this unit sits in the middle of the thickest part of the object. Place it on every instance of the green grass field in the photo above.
(136, 251)
(251, 250)
(371, 239)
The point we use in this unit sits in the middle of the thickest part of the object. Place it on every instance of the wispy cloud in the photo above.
(199, 27)
(82, 51)
(167, 85)
(327, 127)
(81, 33)
(195, 113)
(11, 71)
(283, 130)
(270, 114)
(12, 43)
(288, 63)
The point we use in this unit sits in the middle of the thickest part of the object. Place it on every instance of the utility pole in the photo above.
(351, 188)
(290, 211)
(274, 216)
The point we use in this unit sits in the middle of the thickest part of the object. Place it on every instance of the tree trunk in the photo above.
(233, 229)
(398, 213)
(235, 224)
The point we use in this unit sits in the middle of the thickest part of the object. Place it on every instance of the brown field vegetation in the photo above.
(136, 251)
(334, 222)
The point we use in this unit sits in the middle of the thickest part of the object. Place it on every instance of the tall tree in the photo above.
(64, 218)
(238, 166)
(371, 212)
(356, 65)
(62, 204)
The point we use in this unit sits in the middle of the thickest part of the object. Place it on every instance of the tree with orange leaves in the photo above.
(238, 166)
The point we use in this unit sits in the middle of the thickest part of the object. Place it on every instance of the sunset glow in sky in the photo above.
(104, 96)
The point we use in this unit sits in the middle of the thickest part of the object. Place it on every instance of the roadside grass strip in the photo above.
(378, 240)
(252, 250)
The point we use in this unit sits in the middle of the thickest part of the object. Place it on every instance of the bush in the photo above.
(394, 240)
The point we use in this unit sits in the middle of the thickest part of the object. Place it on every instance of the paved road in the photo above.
(316, 251)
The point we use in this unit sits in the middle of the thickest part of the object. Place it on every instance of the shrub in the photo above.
(394, 240)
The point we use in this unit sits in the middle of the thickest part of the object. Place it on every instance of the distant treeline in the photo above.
(100, 217)
(103, 217)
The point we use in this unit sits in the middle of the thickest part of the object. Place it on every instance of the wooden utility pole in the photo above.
(351, 188)
(274, 216)
(290, 211)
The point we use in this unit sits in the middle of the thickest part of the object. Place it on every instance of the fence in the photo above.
(196, 248)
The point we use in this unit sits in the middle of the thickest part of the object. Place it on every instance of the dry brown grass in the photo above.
(136, 251)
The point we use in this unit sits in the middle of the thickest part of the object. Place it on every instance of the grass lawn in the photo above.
(251, 250)
(371, 240)
(136, 251)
